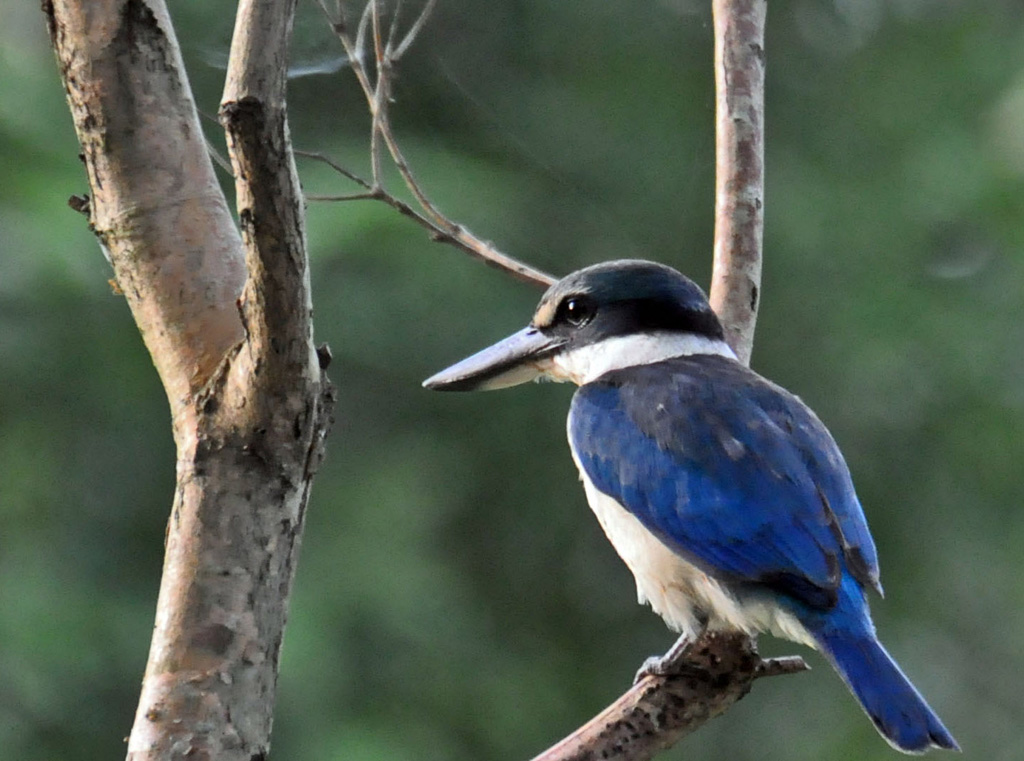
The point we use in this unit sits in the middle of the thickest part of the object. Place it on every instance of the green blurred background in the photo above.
(456, 599)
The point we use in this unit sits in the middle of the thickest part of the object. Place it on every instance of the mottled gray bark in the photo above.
(227, 320)
(657, 711)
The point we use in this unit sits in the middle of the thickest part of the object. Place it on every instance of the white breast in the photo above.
(677, 590)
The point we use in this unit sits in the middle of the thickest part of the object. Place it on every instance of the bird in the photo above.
(724, 494)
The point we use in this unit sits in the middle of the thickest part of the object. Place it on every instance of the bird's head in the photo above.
(604, 317)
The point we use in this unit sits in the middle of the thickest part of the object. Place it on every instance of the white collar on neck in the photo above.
(588, 363)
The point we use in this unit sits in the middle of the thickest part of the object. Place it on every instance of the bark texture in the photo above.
(658, 710)
(739, 172)
(155, 203)
(228, 321)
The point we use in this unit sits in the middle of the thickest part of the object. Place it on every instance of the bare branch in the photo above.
(269, 197)
(218, 159)
(414, 30)
(324, 159)
(368, 196)
(379, 104)
(654, 713)
(354, 51)
(364, 24)
(739, 186)
(378, 97)
(444, 231)
(389, 47)
(152, 198)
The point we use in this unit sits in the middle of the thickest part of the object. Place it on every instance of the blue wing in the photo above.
(729, 470)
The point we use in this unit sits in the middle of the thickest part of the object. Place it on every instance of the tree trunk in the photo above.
(227, 320)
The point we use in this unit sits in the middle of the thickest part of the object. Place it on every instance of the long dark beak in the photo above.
(509, 362)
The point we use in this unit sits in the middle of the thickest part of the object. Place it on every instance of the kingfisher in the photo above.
(723, 493)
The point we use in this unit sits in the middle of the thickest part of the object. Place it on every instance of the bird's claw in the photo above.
(669, 664)
(656, 665)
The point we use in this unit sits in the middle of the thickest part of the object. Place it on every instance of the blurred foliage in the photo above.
(455, 598)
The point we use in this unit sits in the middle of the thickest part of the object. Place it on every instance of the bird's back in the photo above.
(727, 469)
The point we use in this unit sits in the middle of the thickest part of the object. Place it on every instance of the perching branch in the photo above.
(376, 87)
(657, 711)
(229, 328)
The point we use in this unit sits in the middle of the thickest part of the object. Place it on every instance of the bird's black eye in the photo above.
(576, 311)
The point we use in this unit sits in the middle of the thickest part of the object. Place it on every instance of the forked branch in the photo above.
(227, 319)
(376, 84)
(451, 232)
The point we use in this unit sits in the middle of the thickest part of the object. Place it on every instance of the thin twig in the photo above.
(364, 24)
(369, 195)
(324, 159)
(389, 47)
(414, 30)
(382, 124)
(452, 233)
(218, 159)
(378, 97)
(787, 664)
(379, 105)
(339, 26)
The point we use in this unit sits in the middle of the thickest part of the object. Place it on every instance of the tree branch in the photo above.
(451, 233)
(378, 98)
(152, 198)
(250, 404)
(658, 710)
(277, 300)
(739, 183)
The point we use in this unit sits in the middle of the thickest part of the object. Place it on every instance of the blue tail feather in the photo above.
(895, 706)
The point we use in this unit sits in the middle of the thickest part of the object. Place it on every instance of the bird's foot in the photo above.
(669, 664)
